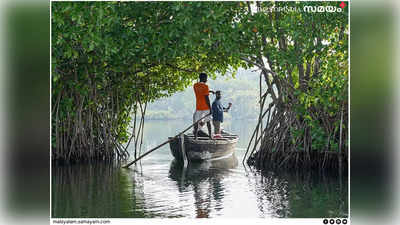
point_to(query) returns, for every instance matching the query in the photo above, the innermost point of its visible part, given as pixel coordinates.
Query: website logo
(322, 9)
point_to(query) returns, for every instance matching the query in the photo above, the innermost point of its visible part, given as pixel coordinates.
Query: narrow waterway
(159, 187)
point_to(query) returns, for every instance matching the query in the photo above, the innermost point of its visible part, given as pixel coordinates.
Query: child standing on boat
(218, 113)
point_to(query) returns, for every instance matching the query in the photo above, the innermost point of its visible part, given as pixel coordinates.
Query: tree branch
(181, 69)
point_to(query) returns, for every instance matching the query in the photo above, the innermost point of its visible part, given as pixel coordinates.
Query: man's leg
(196, 126)
(218, 127)
(209, 129)
(215, 127)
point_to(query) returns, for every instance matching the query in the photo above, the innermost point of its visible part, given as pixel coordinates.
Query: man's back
(201, 90)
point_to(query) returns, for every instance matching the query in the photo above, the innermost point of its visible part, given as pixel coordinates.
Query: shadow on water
(92, 191)
(159, 187)
(205, 180)
(299, 195)
(220, 188)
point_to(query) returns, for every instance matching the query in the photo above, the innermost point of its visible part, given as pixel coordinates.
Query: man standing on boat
(218, 113)
(203, 106)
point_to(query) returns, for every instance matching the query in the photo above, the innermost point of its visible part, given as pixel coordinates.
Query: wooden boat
(203, 148)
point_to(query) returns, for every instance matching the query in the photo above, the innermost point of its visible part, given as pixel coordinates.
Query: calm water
(160, 187)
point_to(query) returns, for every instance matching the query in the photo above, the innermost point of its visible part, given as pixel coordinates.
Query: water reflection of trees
(205, 179)
(92, 190)
(301, 195)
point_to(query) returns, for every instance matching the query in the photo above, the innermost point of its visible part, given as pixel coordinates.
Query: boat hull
(203, 148)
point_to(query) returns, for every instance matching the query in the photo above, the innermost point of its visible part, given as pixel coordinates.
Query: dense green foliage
(303, 57)
(111, 59)
(108, 58)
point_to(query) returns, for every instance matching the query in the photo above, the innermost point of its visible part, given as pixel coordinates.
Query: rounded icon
(331, 221)
(338, 221)
(344, 221)
(325, 221)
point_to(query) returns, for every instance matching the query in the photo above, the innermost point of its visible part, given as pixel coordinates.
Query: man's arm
(206, 92)
(208, 102)
(226, 109)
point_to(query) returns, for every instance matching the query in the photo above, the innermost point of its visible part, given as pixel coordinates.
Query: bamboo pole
(162, 144)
